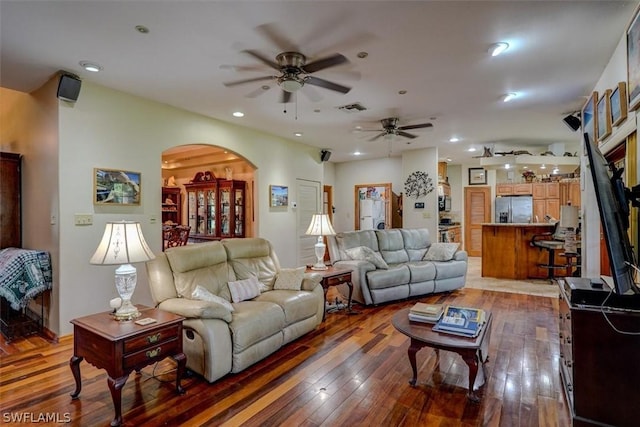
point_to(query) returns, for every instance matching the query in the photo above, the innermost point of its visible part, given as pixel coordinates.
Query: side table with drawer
(333, 277)
(122, 347)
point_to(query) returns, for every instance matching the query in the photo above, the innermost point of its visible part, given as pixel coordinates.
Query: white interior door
(309, 203)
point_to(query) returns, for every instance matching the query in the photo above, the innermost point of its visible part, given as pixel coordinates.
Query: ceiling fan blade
(420, 126)
(406, 135)
(262, 58)
(327, 62)
(326, 84)
(380, 135)
(255, 79)
(281, 41)
(286, 97)
(257, 92)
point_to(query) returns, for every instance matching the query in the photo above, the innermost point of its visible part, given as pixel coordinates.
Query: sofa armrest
(191, 308)
(310, 281)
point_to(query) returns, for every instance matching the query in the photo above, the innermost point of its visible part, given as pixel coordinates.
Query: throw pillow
(441, 251)
(203, 294)
(365, 253)
(289, 279)
(242, 290)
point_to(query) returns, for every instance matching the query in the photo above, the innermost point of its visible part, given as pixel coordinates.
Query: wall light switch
(153, 219)
(83, 219)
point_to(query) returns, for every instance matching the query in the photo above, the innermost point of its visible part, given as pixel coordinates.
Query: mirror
(372, 206)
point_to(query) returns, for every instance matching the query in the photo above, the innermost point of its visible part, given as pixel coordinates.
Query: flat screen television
(613, 203)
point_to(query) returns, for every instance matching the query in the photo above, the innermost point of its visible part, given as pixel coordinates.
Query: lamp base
(127, 311)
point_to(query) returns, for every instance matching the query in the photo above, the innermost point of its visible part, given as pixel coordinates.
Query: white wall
(425, 160)
(350, 174)
(111, 129)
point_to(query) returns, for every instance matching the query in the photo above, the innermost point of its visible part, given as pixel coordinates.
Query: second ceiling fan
(390, 127)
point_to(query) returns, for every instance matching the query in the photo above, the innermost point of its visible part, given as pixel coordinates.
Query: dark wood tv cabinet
(599, 366)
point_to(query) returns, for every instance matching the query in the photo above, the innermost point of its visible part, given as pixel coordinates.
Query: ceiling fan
(390, 127)
(295, 72)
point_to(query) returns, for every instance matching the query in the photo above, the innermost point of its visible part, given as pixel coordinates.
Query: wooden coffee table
(474, 351)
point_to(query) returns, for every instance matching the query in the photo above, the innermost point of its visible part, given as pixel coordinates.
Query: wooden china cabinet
(215, 208)
(10, 211)
(171, 205)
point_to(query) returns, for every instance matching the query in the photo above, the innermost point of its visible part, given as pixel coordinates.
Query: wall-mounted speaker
(573, 122)
(69, 87)
(325, 155)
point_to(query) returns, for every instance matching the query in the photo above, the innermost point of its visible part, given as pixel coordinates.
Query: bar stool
(548, 242)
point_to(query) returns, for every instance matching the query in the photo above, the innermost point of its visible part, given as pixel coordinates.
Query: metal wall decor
(418, 184)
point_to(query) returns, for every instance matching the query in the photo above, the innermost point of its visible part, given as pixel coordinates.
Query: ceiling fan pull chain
(295, 94)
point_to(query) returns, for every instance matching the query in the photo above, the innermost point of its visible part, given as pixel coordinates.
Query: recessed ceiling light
(142, 29)
(90, 66)
(471, 149)
(498, 48)
(448, 159)
(402, 92)
(543, 167)
(507, 166)
(356, 153)
(556, 170)
(238, 114)
(362, 55)
(454, 139)
(317, 110)
(297, 133)
(509, 97)
(265, 87)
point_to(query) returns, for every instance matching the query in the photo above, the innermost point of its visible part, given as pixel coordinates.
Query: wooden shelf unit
(171, 205)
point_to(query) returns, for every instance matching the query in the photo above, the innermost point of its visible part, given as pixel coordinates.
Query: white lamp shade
(569, 216)
(122, 243)
(320, 226)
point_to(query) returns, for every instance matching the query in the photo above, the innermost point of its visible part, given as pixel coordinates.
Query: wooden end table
(333, 277)
(121, 347)
(474, 351)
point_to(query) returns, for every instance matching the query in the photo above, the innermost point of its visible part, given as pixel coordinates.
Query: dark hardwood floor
(351, 371)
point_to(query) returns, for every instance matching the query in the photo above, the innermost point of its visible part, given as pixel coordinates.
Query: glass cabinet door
(225, 212)
(239, 212)
(211, 212)
(202, 213)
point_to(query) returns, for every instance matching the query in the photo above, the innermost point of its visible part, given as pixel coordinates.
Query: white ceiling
(435, 50)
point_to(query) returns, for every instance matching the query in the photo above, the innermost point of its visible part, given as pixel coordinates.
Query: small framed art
(279, 196)
(589, 117)
(618, 100)
(116, 187)
(604, 115)
(477, 176)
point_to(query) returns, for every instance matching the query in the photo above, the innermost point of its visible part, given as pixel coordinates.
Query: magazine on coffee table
(464, 321)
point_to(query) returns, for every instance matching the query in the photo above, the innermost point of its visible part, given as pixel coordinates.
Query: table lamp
(123, 243)
(320, 226)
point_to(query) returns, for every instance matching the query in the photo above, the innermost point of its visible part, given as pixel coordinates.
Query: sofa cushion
(441, 251)
(296, 305)
(202, 294)
(204, 264)
(449, 269)
(416, 242)
(364, 253)
(254, 321)
(396, 275)
(242, 290)
(352, 239)
(422, 271)
(289, 278)
(252, 257)
(391, 246)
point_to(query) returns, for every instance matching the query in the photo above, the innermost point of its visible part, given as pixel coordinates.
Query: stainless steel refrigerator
(514, 209)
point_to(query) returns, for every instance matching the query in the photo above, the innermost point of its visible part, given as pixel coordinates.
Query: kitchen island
(508, 254)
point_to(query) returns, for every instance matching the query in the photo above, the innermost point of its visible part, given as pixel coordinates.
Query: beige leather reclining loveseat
(222, 336)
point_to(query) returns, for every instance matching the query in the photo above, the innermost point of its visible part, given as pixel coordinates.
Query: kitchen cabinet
(570, 193)
(523, 189)
(504, 189)
(171, 205)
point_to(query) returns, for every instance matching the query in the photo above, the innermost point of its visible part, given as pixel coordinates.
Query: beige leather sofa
(218, 341)
(408, 271)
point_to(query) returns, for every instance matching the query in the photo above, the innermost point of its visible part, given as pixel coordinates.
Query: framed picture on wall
(477, 176)
(279, 196)
(116, 187)
(589, 118)
(604, 115)
(618, 101)
(633, 62)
